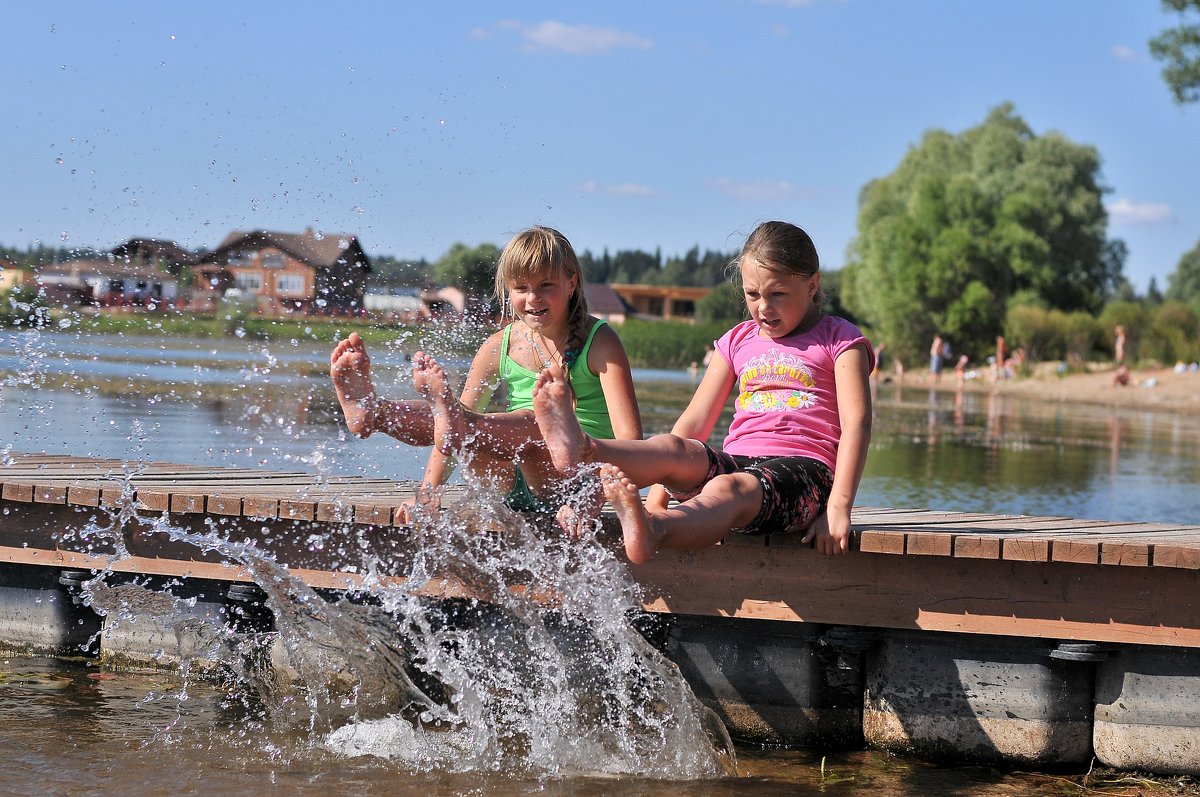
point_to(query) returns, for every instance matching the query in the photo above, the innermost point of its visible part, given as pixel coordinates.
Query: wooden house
(308, 272)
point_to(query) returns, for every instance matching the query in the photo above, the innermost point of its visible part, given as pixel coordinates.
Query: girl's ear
(814, 285)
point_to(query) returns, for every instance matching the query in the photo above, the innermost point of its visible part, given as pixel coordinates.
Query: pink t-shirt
(786, 401)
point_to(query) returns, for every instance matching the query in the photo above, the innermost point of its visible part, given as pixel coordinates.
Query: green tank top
(590, 406)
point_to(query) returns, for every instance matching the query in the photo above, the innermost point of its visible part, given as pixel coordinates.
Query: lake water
(271, 406)
(69, 728)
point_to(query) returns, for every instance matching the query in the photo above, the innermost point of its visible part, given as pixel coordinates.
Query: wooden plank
(224, 505)
(256, 506)
(187, 503)
(929, 544)
(1078, 551)
(297, 510)
(49, 494)
(15, 491)
(877, 541)
(374, 514)
(83, 495)
(1176, 556)
(979, 596)
(970, 546)
(1025, 550)
(154, 500)
(335, 512)
(1132, 554)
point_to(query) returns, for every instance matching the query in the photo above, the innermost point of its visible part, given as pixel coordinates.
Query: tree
(968, 222)
(471, 270)
(1179, 48)
(1183, 285)
(723, 304)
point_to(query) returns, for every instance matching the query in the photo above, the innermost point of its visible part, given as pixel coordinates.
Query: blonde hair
(536, 251)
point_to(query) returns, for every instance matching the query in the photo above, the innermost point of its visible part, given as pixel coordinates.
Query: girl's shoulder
(838, 328)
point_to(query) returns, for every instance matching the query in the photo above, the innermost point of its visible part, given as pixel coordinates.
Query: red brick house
(286, 272)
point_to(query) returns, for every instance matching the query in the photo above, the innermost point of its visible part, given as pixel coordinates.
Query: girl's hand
(578, 518)
(427, 502)
(657, 500)
(830, 533)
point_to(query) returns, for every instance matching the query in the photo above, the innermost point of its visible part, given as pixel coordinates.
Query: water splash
(531, 665)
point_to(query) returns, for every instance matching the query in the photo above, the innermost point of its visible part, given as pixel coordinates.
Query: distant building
(604, 302)
(665, 302)
(107, 283)
(306, 272)
(155, 254)
(11, 276)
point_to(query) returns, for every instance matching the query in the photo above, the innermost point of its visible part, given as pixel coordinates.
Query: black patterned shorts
(795, 489)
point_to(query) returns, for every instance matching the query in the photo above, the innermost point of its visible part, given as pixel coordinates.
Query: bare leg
(350, 370)
(365, 412)
(449, 417)
(554, 409)
(727, 502)
(677, 462)
(637, 526)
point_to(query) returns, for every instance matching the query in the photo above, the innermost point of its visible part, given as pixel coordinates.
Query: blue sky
(628, 125)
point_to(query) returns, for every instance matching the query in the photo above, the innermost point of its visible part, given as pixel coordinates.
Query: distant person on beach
(960, 370)
(798, 441)
(1119, 344)
(935, 358)
(540, 287)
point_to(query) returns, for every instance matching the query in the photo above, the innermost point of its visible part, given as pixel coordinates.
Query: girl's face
(779, 303)
(542, 299)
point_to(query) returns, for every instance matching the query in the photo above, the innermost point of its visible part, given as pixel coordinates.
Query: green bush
(667, 344)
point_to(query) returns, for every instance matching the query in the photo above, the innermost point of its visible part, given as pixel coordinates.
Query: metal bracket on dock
(73, 581)
(1080, 651)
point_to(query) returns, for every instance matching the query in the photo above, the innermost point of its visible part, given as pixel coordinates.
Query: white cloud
(621, 189)
(1125, 53)
(574, 39)
(1126, 211)
(756, 190)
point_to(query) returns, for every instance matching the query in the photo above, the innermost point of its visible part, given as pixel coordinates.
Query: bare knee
(741, 491)
(676, 446)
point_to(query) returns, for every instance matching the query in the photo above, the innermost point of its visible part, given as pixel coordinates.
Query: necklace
(537, 350)
(566, 359)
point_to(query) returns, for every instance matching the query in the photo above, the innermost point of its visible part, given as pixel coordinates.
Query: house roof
(154, 249)
(320, 250)
(603, 300)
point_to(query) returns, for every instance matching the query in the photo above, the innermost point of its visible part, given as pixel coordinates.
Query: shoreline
(1159, 389)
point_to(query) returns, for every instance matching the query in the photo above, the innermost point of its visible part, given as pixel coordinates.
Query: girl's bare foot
(641, 539)
(350, 370)
(449, 421)
(554, 410)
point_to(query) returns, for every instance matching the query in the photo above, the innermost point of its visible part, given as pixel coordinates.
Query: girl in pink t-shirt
(798, 442)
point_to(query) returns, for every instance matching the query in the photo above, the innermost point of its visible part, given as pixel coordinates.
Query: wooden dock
(1044, 577)
(1031, 641)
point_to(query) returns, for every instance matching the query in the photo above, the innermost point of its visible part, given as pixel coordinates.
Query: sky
(651, 125)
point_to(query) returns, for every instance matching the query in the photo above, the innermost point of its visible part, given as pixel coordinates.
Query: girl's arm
(608, 360)
(700, 416)
(854, 411)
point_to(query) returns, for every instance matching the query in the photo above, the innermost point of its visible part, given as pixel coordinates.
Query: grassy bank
(650, 344)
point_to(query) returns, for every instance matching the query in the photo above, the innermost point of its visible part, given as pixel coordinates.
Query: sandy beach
(1159, 389)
